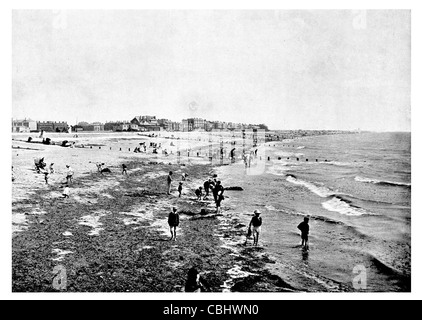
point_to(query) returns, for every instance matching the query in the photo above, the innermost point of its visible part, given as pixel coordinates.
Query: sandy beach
(111, 234)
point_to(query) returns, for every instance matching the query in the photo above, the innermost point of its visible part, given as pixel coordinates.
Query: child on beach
(255, 227)
(69, 175)
(217, 189)
(173, 221)
(46, 176)
(220, 198)
(304, 228)
(207, 188)
(100, 166)
(66, 191)
(180, 188)
(124, 168)
(198, 193)
(184, 175)
(169, 180)
(195, 283)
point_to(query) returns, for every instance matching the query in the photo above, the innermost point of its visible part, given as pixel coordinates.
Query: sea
(356, 190)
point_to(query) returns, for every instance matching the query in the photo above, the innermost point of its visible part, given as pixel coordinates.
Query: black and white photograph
(179, 151)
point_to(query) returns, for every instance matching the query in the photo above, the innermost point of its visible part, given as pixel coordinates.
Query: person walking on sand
(180, 188)
(169, 180)
(69, 174)
(304, 228)
(124, 169)
(46, 176)
(255, 226)
(51, 168)
(173, 221)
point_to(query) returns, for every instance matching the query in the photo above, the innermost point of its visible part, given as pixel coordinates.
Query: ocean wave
(321, 191)
(338, 202)
(382, 182)
(343, 206)
(339, 163)
(301, 147)
(277, 170)
(270, 208)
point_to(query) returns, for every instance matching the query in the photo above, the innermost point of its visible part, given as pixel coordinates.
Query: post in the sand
(243, 139)
(178, 151)
(210, 146)
(221, 150)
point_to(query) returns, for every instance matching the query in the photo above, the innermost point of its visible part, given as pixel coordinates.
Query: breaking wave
(381, 182)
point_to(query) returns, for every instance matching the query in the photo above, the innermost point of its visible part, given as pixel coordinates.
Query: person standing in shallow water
(255, 226)
(304, 228)
(169, 180)
(173, 221)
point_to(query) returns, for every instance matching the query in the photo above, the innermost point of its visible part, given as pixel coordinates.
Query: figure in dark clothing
(232, 157)
(207, 185)
(180, 188)
(217, 189)
(169, 180)
(220, 197)
(198, 193)
(124, 169)
(173, 221)
(304, 228)
(46, 176)
(195, 283)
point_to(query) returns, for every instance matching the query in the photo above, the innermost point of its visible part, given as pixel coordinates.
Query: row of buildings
(151, 123)
(139, 123)
(29, 125)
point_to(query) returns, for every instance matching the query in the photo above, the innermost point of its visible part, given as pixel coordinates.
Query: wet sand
(111, 234)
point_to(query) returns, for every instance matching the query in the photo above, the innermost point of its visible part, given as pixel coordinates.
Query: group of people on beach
(212, 185)
(41, 167)
(254, 229)
(142, 148)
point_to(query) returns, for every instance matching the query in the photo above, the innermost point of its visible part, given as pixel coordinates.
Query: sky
(335, 69)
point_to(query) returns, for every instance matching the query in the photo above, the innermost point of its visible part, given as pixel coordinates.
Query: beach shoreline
(111, 234)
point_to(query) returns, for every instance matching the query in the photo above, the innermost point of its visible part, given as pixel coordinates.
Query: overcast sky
(288, 69)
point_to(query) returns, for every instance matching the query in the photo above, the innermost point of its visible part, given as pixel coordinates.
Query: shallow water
(358, 201)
